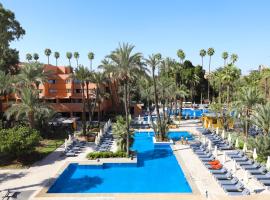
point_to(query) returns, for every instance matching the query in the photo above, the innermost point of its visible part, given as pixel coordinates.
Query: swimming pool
(157, 171)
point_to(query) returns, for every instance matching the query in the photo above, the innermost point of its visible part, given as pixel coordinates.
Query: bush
(19, 141)
(106, 154)
(262, 145)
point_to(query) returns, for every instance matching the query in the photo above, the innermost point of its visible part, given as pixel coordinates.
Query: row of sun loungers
(74, 148)
(230, 184)
(255, 169)
(216, 140)
(105, 142)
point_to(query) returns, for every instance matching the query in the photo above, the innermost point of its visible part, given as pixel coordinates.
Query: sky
(153, 26)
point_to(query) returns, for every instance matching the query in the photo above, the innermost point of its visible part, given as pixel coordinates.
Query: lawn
(45, 148)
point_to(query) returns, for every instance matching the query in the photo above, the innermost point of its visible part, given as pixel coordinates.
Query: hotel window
(51, 81)
(52, 90)
(68, 81)
(68, 90)
(78, 91)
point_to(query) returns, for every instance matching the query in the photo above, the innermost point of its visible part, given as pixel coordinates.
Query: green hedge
(106, 154)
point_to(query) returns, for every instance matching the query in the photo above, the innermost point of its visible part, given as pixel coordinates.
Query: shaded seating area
(230, 184)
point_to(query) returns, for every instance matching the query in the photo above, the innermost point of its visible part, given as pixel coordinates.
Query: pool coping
(43, 192)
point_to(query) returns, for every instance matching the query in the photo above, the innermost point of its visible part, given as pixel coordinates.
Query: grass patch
(45, 147)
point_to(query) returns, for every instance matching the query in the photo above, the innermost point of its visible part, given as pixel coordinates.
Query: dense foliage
(19, 141)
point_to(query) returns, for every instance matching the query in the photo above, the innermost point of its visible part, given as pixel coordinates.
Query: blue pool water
(157, 171)
(176, 135)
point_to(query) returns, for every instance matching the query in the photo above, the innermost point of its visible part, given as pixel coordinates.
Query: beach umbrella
(210, 145)
(223, 134)
(139, 118)
(237, 143)
(69, 138)
(66, 144)
(246, 177)
(224, 158)
(209, 125)
(148, 119)
(255, 156)
(268, 163)
(217, 131)
(204, 140)
(215, 151)
(245, 147)
(229, 138)
(234, 166)
(100, 133)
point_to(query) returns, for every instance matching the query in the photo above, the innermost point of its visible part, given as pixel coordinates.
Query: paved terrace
(31, 181)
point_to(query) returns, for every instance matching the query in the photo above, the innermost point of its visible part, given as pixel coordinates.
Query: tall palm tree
(82, 74)
(126, 65)
(181, 55)
(225, 56)
(229, 75)
(153, 62)
(28, 57)
(76, 56)
(56, 56)
(234, 58)
(69, 56)
(6, 85)
(91, 57)
(36, 57)
(265, 77)
(210, 53)
(48, 53)
(202, 54)
(29, 107)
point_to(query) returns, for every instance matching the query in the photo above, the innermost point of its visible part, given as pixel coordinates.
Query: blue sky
(236, 26)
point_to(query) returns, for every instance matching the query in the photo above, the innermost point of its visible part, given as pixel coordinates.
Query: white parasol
(139, 118)
(223, 134)
(255, 156)
(215, 151)
(210, 145)
(217, 130)
(245, 147)
(148, 119)
(234, 166)
(229, 138)
(268, 163)
(237, 143)
(66, 144)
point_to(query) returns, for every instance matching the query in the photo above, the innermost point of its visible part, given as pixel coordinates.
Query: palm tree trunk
(69, 62)
(56, 61)
(48, 60)
(31, 119)
(95, 103)
(228, 95)
(83, 110)
(77, 62)
(126, 112)
(98, 114)
(88, 101)
(156, 103)
(208, 86)
(202, 61)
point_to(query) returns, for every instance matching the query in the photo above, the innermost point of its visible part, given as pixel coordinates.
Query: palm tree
(153, 62)
(6, 85)
(202, 54)
(126, 66)
(36, 57)
(265, 77)
(180, 93)
(181, 55)
(69, 56)
(261, 117)
(99, 79)
(28, 57)
(56, 55)
(76, 56)
(229, 75)
(32, 74)
(225, 56)
(29, 107)
(91, 57)
(234, 58)
(48, 53)
(119, 132)
(82, 74)
(248, 98)
(210, 53)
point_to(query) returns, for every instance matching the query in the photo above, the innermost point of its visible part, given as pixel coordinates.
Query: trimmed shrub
(106, 154)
